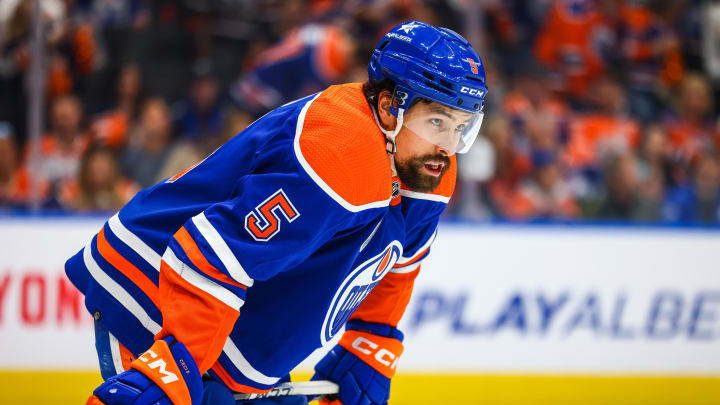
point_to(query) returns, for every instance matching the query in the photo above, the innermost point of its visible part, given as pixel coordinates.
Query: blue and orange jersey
(259, 254)
(689, 140)
(111, 129)
(650, 48)
(592, 134)
(523, 112)
(309, 59)
(572, 42)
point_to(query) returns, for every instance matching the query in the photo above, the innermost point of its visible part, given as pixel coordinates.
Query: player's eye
(461, 128)
(437, 122)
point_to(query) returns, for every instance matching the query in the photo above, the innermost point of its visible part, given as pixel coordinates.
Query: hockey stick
(310, 388)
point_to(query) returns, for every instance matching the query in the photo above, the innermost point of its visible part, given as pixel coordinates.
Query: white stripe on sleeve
(406, 269)
(222, 250)
(244, 366)
(418, 252)
(115, 353)
(202, 282)
(118, 292)
(424, 196)
(134, 242)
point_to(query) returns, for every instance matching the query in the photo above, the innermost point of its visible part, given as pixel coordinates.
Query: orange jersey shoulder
(340, 146)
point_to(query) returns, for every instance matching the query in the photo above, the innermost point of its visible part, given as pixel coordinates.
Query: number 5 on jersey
(264, 222)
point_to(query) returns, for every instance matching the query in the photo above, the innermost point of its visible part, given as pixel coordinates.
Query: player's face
(420, 160)
(446, 127)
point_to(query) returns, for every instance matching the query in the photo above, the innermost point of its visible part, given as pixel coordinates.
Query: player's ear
(387, 120)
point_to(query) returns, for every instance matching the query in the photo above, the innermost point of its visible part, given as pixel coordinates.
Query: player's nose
(441, 150)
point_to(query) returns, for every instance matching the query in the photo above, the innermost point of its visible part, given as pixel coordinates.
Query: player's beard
(412, 174)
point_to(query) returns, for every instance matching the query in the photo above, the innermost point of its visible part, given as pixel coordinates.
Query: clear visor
(449, 128)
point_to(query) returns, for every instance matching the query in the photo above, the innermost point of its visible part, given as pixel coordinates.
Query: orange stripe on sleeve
(197, 319)
(182, 173)
(198, 259)
(127, 268)
(417, 257)
(387, 302)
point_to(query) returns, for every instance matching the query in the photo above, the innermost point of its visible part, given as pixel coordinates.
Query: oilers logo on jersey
(357, 285)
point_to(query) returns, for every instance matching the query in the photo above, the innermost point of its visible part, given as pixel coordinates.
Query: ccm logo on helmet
(472, 92)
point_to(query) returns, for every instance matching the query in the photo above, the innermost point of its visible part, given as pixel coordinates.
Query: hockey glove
(362, 363)
(165, 374)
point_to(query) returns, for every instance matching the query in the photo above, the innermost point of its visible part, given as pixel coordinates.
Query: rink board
(56, 388)
(612, 313)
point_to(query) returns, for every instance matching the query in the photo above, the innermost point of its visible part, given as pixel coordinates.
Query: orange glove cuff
(158, 364)
(381, 353)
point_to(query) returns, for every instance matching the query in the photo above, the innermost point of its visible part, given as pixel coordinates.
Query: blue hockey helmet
(435, 64)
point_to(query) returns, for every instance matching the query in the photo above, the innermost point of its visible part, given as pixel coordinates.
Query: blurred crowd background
(598, 110)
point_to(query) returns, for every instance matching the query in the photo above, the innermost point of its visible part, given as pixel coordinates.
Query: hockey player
(316, 217)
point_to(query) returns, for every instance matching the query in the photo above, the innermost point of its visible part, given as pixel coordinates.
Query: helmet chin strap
(390, 135)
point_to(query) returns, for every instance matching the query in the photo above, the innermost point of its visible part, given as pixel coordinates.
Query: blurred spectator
(477, 167)
(510, 167)
(235, 122)
(653, 169)
(200, 116)
(185, 153)
(650, 56)
(495, 99)
(111, 127)
(655, 152)
(60, 152)
(73, 59)
(182, 155)
(101, 187)
(164, 49)
(699, 201)
(545, 194)
(692, 129)
(605, 128)
(71, 47)
(14, 183)
(539, 119)
(307, 60)
(650, 197)
(574, 42)
(572, 81)
(688, 17)
(15, 58)
(144, 159)
(512, 26)
(620, 199)
(710, 37)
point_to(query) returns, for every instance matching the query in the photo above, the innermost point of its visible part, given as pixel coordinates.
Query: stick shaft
(310, 388)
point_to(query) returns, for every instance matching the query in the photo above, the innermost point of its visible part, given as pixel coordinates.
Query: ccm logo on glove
(160, 364)
(380, 353)
(383, 356)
